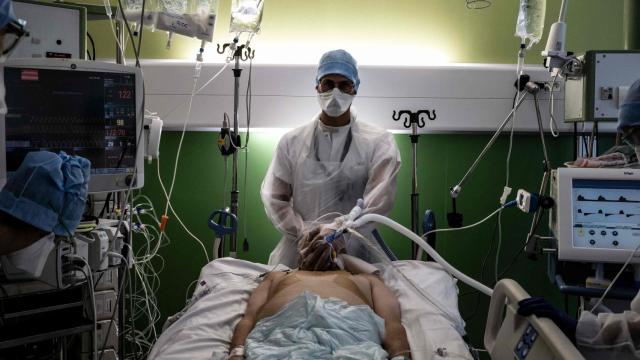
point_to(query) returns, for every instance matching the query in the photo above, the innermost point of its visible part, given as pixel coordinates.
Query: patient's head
(315, 253)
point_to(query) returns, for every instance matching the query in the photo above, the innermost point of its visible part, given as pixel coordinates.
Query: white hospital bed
(204, 328)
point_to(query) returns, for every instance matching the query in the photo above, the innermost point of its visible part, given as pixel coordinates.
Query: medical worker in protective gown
(322, 168)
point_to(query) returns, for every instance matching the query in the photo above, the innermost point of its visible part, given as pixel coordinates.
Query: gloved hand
(316, 254)
(541, 307)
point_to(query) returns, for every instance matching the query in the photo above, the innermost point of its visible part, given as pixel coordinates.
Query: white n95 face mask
(334, 103)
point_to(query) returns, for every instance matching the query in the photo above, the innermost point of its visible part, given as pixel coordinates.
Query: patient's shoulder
(372, 279)
(275, 275)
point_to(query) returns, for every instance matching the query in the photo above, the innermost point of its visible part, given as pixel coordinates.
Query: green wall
(394, 32)
(443, 160)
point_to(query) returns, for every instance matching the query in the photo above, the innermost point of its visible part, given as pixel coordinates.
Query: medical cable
(248, 99)
(245, 244)
(146, 281)
(135, 169)
(624, 266)
(509, 204)
(113, 315)
(141, 27)
(215, 76)
(93, 47)
(196, 76)
(124, 260)
(482, 277)
(455, 320)
(530, 247)
(552, 119)
(89, 277)
(364, 219)
(92, 297)
(176, 214)
(186, 295)
(145, 303)
(126, 24)
(107, 9)
(507, 189)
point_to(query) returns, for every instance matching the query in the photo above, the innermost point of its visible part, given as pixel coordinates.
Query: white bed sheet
(204, 328)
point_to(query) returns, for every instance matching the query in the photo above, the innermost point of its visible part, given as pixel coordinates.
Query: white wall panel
(466, 98)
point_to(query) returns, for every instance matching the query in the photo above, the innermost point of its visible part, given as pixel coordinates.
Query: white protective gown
(610, 335)
(319, 170)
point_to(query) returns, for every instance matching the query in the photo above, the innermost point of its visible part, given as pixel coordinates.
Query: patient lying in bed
(320, 314)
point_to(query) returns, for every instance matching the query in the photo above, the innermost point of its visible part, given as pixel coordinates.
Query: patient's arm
(258, 298)
(386, 305)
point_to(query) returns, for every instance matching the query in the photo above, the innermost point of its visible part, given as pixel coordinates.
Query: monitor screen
(606, 213)
(86, 113)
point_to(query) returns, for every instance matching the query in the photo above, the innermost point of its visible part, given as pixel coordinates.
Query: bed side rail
(509, 335)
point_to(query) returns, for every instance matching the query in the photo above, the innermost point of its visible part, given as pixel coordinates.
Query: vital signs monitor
(85, 108)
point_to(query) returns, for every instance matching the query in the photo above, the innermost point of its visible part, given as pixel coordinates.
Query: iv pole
(414, 120)
(244, 53)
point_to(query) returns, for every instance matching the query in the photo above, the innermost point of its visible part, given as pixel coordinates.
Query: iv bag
(133, 10)
(530, 22)
(192, 18)
(246, 16)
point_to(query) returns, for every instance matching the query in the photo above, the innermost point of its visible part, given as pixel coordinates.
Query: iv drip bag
(530, 23)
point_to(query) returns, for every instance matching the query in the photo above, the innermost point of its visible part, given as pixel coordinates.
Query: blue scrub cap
(629, 114)
(338, 62)
(6, 13)
(48, 191)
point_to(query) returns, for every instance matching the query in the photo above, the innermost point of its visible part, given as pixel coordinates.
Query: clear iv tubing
(184, 128)
(109, 13)
(424, 236)
(604, 294)
(196, 76)
(464, 227)
(507, 189)
(364, 219)
(552, 119)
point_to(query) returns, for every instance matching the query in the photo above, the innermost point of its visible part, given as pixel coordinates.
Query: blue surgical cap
(629, 114)
(48, 191)
(338, 62)
(6, 13)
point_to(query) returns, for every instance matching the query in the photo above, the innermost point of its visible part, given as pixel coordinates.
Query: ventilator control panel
(597, 214)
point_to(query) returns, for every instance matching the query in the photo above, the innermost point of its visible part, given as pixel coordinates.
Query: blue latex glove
(541, 307)
(48, 191)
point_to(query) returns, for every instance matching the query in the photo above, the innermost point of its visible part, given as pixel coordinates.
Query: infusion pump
(596, 217)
